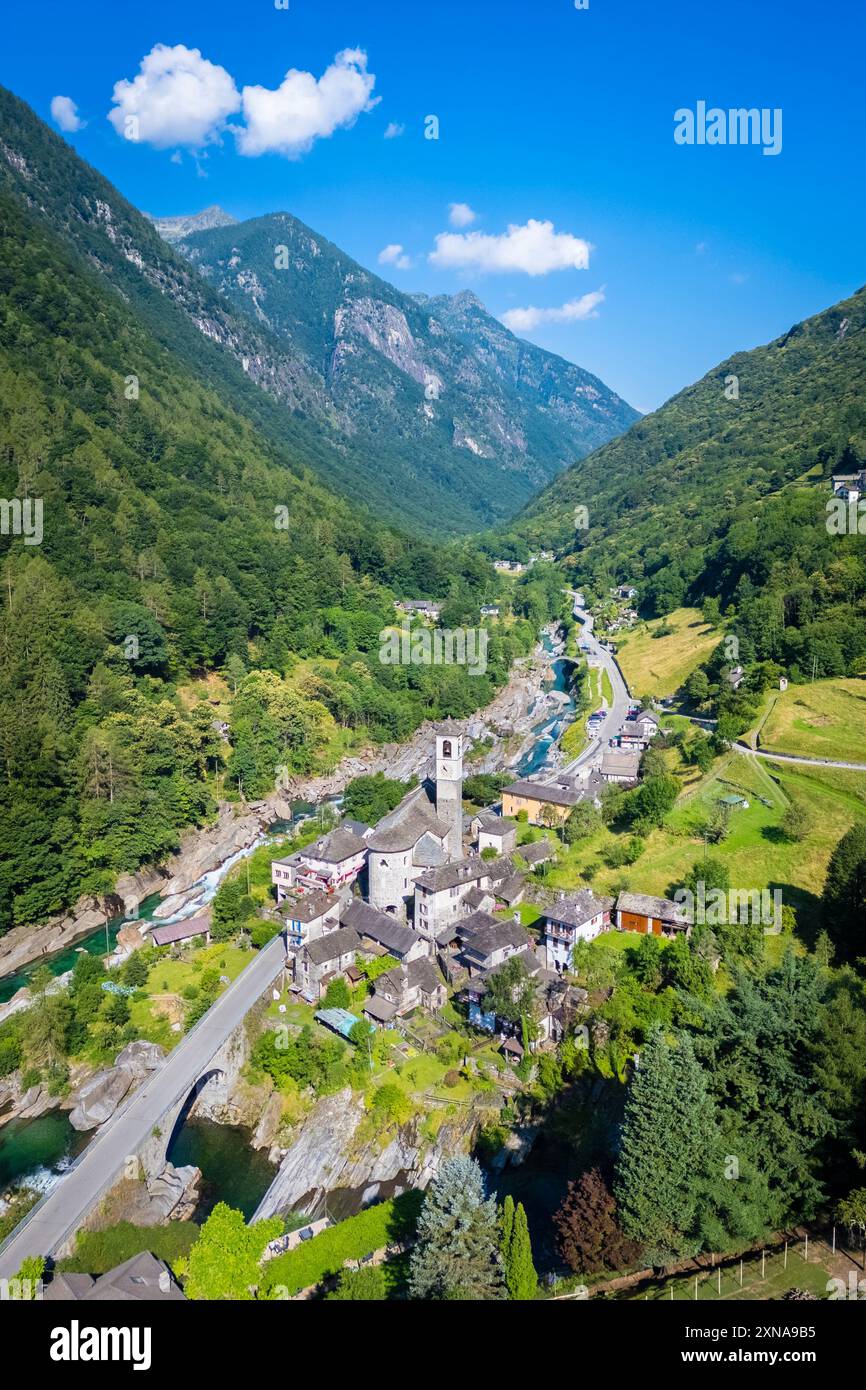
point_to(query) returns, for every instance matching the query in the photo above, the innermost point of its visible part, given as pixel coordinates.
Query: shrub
(383, 1224)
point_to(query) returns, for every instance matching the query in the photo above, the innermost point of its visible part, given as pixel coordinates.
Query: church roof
(403, 827)
(429, 852)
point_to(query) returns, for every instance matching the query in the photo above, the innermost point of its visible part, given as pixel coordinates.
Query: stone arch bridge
(144, 1126)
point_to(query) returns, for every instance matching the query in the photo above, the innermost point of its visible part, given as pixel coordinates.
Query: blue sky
(547, 114)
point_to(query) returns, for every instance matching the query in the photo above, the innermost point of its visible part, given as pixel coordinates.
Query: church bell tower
(449, 789)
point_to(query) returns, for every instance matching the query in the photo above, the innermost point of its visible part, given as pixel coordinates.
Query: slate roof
(429, 852)
(403, 827)
(537, 853)
(379, 927)
(493, 935)
(359, 827)
(335, 847)
(511, 888)
(306, 907)
(547, 792)
(423, 973)
(181, 931)
(383, 1010)
(574, 910)
(491, 824)
(141, 1279)
(646, 716)
(627, 764)
(332, 945)
(457, 872)
(632, 728)
(477, 896)
(643, 904)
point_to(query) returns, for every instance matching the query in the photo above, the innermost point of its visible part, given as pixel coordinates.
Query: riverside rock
(140, 1057)
(96, 1101)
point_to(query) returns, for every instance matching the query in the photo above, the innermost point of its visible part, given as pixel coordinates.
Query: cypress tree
(521, 1279)
(507, 1226)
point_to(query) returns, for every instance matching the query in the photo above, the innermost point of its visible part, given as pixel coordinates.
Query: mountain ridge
(425, 377)
(374, 437)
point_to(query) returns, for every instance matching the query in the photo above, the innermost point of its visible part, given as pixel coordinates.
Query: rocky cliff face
(327, 1163)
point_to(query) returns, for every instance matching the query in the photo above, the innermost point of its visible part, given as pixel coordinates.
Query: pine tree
(669, 1148)
(521, 1279)
(457, 1255)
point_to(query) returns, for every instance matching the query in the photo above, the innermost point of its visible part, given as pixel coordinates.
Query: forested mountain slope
(358, 412)
(723, 492)
(436, 390)
(177, 537)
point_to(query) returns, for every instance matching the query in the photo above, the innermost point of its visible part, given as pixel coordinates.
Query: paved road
(793, 758)
(622, 701)
(62, 1210)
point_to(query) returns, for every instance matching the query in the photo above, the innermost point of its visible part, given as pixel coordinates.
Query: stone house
(493, 832)
(487, 942)
(383, 935)
(542, 801)
(317, 962)
(327, 865)
(441, 894)
(572, 918)
(407, 987)
(308, 916)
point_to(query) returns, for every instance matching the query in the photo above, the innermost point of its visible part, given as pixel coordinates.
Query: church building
(423, 832)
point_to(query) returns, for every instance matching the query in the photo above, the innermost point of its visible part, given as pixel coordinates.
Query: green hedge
(311, 1262)
(98, 1251)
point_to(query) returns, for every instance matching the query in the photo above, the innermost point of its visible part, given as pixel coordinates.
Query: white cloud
(534, 249)
(65, 113)
(393, 129)
(461, 215)
(178, 98)
(396, 256)
(302, 109)
(524, 320)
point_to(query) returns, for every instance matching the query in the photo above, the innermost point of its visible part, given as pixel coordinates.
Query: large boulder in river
(96, 1101)
(140, 1057)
